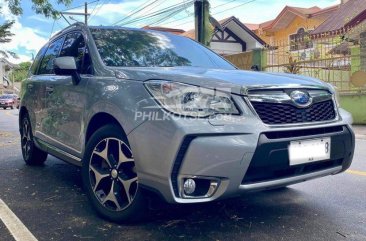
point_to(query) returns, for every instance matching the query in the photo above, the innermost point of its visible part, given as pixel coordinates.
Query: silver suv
(144, 110)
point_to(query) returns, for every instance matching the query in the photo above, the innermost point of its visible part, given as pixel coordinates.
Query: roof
(190, 34)
(224, 22)
(162, 29)
(5, 61)
(252, 26)
(289, 13)
(349, 14)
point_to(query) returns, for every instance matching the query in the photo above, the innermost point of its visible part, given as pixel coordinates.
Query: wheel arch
(22, 112)
(99, 120)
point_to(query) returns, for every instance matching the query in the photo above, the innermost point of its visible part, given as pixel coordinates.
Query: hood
(231, 80)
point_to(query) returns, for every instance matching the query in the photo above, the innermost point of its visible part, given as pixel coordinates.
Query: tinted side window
(52, 52)
(75, 46)
(34, 67)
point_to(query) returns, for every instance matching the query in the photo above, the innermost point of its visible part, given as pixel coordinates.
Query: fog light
(189, 186)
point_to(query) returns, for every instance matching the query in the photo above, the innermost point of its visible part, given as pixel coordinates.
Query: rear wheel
(32, 155)
(110, 178)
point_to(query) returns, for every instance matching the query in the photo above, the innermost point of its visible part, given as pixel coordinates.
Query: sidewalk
(360, 131)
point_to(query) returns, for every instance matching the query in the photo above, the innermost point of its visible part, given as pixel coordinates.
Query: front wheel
(32, 155)
(110, 178)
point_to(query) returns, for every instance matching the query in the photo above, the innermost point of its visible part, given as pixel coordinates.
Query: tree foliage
(21, 72)
(39, 6)
(5, 34)
(43, 7)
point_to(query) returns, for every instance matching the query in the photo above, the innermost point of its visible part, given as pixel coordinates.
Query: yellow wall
(282, 36)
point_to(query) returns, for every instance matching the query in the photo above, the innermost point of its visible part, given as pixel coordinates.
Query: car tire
(12, 107)
(32, 155)
(109, 176)
(4, 108)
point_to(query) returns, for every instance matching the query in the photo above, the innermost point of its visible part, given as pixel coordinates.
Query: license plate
(306, 151)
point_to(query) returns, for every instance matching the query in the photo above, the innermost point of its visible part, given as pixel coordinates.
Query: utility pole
(202, 14)
(85, 14)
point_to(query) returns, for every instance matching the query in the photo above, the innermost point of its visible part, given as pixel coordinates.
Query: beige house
(5, 69)
(233, 38)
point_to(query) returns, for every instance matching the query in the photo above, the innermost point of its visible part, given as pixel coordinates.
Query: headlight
(334, 90)
(189, 100)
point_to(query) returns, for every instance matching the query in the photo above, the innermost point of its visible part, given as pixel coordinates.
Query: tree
(21, 72)
(39, 6)
(5, 36)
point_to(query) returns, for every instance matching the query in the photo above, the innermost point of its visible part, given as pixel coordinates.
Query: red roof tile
(339, 19)
(302, 12)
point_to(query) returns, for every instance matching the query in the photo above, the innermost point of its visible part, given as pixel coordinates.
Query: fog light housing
(189, 186)
(198, 187)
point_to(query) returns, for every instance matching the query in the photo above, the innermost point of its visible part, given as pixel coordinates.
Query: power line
(53, 25)
(137, 10)
(80, 5)
(99, 7)
(236, 6)
(95, 7)
(189, 15)
(218, 12)
(157, 13)
(224, 4)
(180, 9)
(153, 14)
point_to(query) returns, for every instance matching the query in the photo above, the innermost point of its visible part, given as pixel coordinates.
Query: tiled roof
(339, 19)
(252, 26)
(190, 34)
(312, 12)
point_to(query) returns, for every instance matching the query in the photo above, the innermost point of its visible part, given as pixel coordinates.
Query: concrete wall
(242, 61)
(356, 105)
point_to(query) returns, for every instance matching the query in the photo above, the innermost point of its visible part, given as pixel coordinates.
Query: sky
(32, 31)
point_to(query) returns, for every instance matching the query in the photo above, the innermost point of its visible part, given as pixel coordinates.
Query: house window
(300, 40)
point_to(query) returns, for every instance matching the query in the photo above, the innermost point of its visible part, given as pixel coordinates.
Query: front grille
(273, 113)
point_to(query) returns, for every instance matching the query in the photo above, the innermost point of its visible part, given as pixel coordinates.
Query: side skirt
(56, 152)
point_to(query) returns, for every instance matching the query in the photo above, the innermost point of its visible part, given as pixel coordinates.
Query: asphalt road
(50, 202)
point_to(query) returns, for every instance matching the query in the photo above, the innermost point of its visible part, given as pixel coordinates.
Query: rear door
(45, 75)
(32, 93)
(65, 101)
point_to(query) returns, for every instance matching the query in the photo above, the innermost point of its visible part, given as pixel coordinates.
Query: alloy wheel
(26, 138)
(112, 174)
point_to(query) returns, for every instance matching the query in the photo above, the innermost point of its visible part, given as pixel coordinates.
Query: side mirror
(66, 66)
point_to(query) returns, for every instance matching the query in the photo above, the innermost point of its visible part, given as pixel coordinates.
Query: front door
(65, 101)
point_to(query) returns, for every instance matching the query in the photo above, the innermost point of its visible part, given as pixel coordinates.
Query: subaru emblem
(300, 98)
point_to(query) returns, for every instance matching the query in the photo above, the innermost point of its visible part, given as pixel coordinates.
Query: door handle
(49, 89)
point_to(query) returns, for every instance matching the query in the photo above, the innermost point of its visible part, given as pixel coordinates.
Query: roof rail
(74, 25)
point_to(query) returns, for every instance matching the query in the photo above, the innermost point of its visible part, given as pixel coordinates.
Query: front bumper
(242, 153)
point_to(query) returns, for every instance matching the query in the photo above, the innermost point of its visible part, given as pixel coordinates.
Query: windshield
(138, 48)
